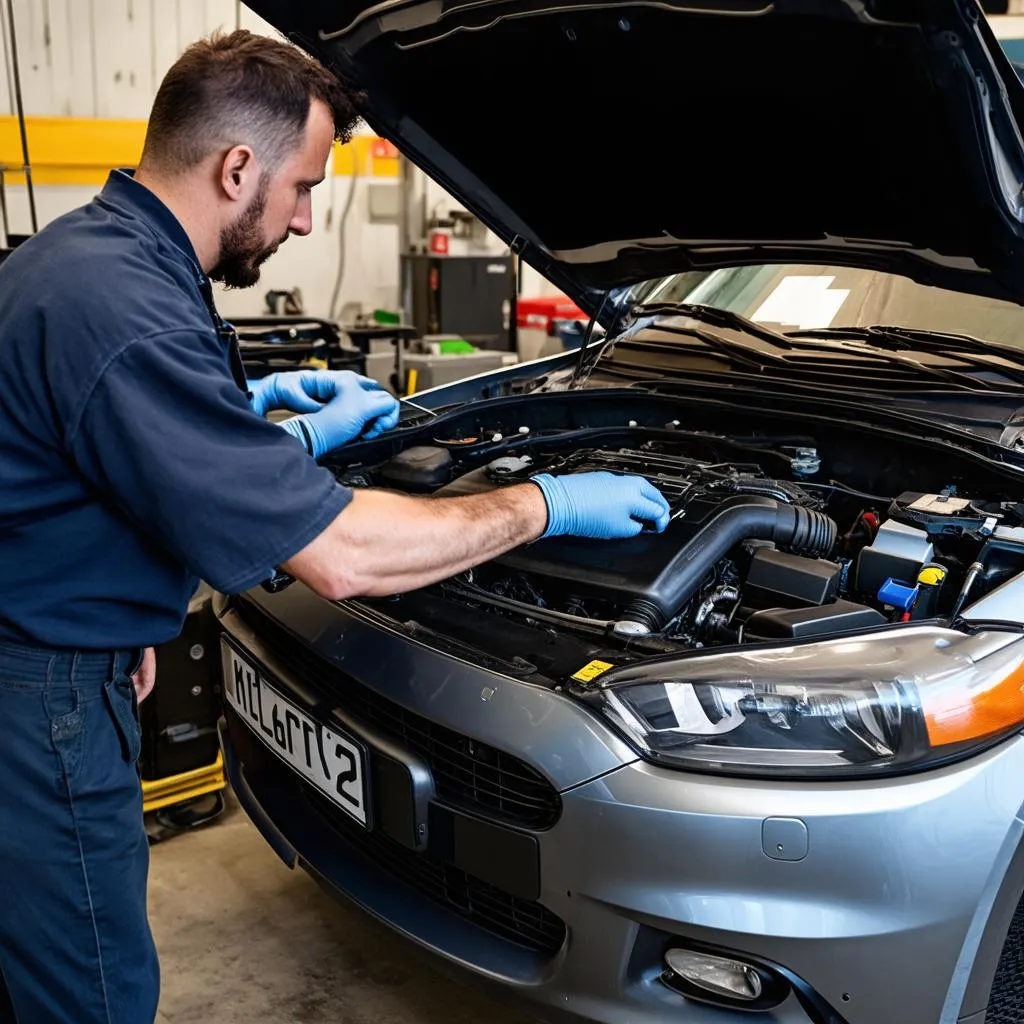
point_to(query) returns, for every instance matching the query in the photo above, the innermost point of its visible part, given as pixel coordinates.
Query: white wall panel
(1007, 27)
(74, 55)
(254, 23)
(51, 202)
(164, 48)
(55, 56)
(190, 23)
(31, 22)
(123, 33)
(6, 79)
(220, 14)
(105, 58)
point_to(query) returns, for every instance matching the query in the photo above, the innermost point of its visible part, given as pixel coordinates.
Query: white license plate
(323, 755)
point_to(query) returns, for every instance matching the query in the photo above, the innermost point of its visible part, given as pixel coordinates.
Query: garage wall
(105, 58)
(99, 63)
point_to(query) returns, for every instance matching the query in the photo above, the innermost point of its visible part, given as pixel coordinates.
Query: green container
(456, 346)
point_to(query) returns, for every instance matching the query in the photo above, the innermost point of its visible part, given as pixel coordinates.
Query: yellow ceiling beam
(81, 151)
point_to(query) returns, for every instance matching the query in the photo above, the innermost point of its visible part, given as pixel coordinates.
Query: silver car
(766, 765)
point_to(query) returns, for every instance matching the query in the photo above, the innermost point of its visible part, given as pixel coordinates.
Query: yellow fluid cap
(931, 575)
(592, 670)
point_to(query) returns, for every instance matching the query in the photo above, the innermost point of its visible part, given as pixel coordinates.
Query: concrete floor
(243, 940)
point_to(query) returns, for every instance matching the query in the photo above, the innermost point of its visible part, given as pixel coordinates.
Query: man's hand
(355, 407)
(145, 679)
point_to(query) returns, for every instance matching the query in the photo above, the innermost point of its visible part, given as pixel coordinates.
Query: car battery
(179, 717)
(421, 371)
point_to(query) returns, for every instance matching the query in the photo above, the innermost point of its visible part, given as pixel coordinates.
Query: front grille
(1006, 1005)
(523, 922)
(468, 775)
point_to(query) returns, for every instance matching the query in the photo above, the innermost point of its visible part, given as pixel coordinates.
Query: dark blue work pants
(75, 944)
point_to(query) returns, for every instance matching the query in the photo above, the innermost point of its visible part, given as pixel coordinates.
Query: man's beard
(242, 249)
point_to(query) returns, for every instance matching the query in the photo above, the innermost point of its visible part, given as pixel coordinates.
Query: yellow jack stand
(176, 799)
(175, 789)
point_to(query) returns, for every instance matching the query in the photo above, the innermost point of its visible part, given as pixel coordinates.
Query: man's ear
(239, 173)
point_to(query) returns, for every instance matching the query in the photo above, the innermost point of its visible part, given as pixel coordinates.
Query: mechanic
(134, 465)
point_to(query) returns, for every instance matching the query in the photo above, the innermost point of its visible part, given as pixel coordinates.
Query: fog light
(724, 978)
(716, 975)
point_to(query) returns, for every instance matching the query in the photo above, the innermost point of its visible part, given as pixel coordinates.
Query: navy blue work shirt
(132, 463)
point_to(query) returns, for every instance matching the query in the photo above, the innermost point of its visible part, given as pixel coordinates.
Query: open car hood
(610, 142)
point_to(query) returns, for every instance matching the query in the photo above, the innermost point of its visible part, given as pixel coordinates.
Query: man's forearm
(385, 543)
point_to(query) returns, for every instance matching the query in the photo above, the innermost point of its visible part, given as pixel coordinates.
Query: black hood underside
(615, 142)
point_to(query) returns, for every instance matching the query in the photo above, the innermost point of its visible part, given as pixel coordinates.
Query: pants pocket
(67, 731)
(122, 702)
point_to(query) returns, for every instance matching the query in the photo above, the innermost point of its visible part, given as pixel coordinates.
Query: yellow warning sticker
(591, 671)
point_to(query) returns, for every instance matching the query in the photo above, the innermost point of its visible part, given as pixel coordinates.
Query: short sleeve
(167, 436)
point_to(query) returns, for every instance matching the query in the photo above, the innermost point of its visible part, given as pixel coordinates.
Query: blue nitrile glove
(355, 410)
(326, 385)
(601, 505)
(291, 390)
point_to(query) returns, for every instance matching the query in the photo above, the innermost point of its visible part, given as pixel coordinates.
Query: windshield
(792, 297)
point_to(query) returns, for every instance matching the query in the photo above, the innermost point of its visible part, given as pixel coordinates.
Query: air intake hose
(802, 531)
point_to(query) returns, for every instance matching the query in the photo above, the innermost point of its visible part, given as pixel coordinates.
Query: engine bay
(772, 537)
(644, 583)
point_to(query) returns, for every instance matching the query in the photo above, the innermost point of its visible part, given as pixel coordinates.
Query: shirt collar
(127, 195)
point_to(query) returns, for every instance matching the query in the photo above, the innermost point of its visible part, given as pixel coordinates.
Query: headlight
(877, 704)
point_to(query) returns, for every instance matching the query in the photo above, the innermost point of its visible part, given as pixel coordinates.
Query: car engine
(648, 580)
(765, 543)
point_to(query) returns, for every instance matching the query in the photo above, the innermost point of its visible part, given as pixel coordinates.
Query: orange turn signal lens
(989, 701)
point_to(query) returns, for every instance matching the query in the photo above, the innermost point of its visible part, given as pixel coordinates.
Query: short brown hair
(241, 89)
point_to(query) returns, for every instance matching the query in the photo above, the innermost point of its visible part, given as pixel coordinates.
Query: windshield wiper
(907, 339)
(706, 314)
(761, 360)
(716, 318)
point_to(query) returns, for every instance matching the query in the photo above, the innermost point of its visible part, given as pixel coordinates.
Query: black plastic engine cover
(656, 574)
(653, 575)
(804, 623)
(620, 570)
(777, 577)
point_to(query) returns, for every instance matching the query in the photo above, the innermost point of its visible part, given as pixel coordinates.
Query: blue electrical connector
(898, 595)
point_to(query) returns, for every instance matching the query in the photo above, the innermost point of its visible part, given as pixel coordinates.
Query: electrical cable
(8, 70)
(836, 485)
(21, 117)
(976, 569)
(529, 610)
(335, 295)
(5, 226)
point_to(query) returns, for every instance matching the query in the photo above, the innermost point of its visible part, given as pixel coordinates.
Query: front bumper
(881, 916)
